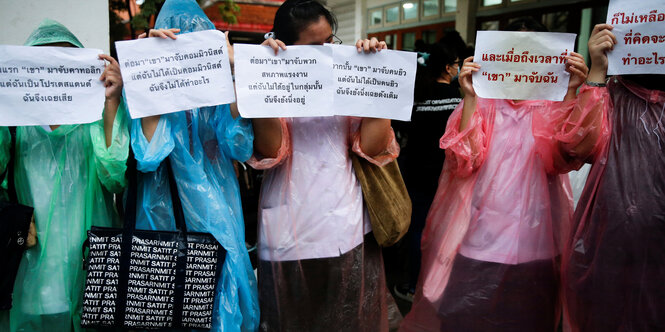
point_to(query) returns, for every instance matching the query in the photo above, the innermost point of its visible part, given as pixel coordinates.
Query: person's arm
(268, 131)
(602, 40)
(113, 92)
(571, 133)
(466, 84)
(375, 134)
(578, 70)
(589, 115)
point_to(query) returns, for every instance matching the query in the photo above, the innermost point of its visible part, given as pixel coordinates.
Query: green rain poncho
(68, 176)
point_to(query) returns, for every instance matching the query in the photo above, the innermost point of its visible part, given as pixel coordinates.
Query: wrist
(595, 84)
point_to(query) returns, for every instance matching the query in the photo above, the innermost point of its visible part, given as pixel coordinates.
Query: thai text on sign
(522, 65)
(326, 80)
(165, 76)
(374, 85)
(293, 83)
(42, 85)
(640, 47)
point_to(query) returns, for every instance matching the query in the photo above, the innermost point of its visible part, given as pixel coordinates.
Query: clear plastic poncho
(614, 267)
(495, 232)
(68, 175)
(319, 267)
(201, 145)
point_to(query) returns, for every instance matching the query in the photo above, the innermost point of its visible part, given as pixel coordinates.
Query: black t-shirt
(423, 159)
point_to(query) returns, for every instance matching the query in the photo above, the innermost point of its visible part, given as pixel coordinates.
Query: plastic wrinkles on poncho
(476, 217)
(201, 145)
(614, 265)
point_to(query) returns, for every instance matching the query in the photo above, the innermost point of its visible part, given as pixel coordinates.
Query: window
(430, 8)
(491, 2)
(409, 41)
(376, 17)
(556, 22)
(429, 36)
(392, 14)
(410, 11)
(449, 6)
(391, 41)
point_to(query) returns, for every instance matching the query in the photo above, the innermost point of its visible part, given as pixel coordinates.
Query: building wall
(87, 19)
(469, 16)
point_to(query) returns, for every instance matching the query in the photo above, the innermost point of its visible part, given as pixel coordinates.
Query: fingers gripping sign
(161, 33)
(372, 45)
(275, 44)
(111, 77)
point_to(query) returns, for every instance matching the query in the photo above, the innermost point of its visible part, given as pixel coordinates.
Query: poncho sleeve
(150, 154)
(5, 141)
(466, 149)
(235, 136)
(111, 162)
(260, 162)
(568, 134)
(389, 154)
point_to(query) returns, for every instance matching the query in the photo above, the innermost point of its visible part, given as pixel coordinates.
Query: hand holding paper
(601, 42)
(578, 71)
(111, 77)
(466, 77)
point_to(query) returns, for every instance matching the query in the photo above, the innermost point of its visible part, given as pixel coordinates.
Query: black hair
(526, 23)
(452, 39)
(439, 56)
(293, 16)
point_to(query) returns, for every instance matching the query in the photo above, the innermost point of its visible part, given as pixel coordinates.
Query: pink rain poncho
(614, 267)
(495, 231)
(319, 266)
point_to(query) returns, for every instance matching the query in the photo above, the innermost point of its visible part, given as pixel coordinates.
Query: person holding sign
(201, 145)
(68, 174)
(614, 265)
(493, 238)
(320, 268)
(437, 95)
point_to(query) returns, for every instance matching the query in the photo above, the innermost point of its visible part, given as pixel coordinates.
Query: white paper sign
(378, 85)
(295, 83)
(522, 65)
(638, 28)
(324, 80)
(165, 75)
(50, 85)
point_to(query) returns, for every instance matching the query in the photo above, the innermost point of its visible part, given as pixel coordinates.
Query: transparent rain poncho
(201, 145)
(319, 266)
(614, 266)
(68, 175)
(497, 226)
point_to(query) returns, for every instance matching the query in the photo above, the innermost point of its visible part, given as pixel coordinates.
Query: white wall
(345, 11)
(87, 19)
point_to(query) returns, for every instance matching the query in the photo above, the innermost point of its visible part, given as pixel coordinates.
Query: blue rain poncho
(201, 144)
(68, 175)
